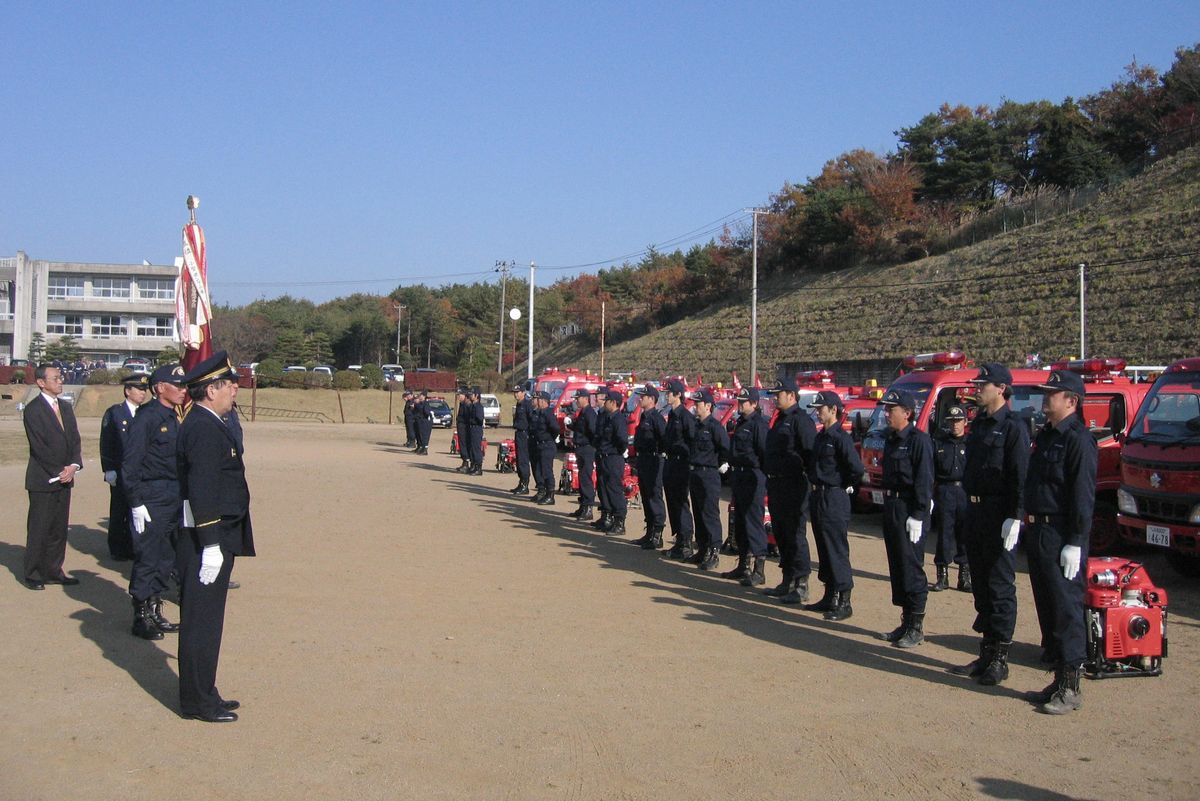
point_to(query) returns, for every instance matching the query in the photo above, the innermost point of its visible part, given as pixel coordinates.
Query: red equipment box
(1126, 620)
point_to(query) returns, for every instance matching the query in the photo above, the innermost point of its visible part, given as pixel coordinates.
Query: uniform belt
(1043, 518)
(704, 467)
(949, 483)
(783, 475)
(980, 498)
(907, 493)
(739, 468)
(822, 487)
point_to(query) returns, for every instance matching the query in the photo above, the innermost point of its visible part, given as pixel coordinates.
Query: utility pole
(1082, 311)
(754, 299)
(400, 307)
(532, 272)
(502, 267)
(602, 310)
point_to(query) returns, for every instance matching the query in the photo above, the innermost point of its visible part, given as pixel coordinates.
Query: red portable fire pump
(1126, 620)
(568, 480)
(506, 456)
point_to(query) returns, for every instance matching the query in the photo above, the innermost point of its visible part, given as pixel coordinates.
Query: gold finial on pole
(193, 203)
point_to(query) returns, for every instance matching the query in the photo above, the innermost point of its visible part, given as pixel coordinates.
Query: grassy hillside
(998, 300)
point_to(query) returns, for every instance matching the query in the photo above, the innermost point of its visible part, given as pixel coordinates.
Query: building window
(64, 324)
(105, 327)
(155, 326)
(62, 287)
(110, 288)
(156, 288)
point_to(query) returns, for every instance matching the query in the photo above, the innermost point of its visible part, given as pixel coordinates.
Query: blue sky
(340, 148)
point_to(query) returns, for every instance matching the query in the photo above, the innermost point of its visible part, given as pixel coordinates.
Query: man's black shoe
(229, 706)
(233, 585)
(65, 580)
(222, 716)
(34, 584)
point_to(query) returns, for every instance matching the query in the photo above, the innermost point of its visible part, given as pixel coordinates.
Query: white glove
(210, 563)
(1068, 560)
(141, 516)
(931, 506)
(626, 453)
(568, 420)
(914, 530)
(111, 477)
(723, 469)
(188, 520)
(1010, 530)
(849, 490)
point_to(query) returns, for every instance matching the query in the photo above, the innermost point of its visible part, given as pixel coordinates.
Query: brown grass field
(410, 633)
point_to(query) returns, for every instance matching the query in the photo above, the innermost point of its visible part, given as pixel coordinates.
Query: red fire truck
(1159, 497)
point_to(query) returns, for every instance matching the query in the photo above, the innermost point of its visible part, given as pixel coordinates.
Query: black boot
(781, 589)
(799, 593)
(1043, 695)
(645, 538)
(584, 514)
(521, 489)
(681, 551)
(547, 499)
(603, 521)
(841, 606)
(729, 546)
(741, 571)
(712, 559)
(914, 635)
(476, 470)
(756, 577)
(617, 529)
(997, 667)
(943, 579)
(1068, 694)
(655, 539)
(964, 578)
(164, 625)
(699, 556)
(143, 624)
(895, 634)
(826, 603)
(975, 667)
(463, 468)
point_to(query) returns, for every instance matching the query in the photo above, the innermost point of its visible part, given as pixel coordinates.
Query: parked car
(323, 369)
(140, 366)
(251, 366)
(392, 372)
(441, 412)
(491, 409)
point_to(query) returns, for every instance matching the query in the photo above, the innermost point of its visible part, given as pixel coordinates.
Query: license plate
(1158, 535)
(877, 497)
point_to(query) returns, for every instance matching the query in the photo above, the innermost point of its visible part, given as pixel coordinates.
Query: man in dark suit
(216, 514)
(54, 458)
(114, 429)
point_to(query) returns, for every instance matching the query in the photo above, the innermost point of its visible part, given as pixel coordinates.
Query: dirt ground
(410, 633)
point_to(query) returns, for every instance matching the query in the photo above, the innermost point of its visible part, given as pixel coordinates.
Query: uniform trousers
(829, 508)
(154, 551)
(1059, 601)
(906, 559)
(120, 541)
(676, 480)
(521, 444)
(788, 499)
(705, 490)
(545, 465)
(749, 502)
(949, 522)
(201, 624)
(993, 570)
(650, 486)
(611, 475)
(585, 460)
(475, 446)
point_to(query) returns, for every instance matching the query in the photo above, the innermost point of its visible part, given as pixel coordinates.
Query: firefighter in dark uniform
(649, 443)
(459, 443)
(583, 435)
(612, 441)
(149, 479)
(543, 431)
(747, 453)
(994, 480)
(216, 512)
(908, 492)
(605, 517)
(423, 422)
(950, 500)
(835, 471)
(676, 470)
(409, 420)
(789, 450)
(474, 428)
(114, 429)
(522, 412)
(709, 460)
(1060, 496)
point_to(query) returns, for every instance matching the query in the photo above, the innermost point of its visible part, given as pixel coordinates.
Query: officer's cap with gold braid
(139, 380)
(211, 369)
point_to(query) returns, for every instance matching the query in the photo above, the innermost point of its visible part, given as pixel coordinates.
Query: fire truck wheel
(1184, 564)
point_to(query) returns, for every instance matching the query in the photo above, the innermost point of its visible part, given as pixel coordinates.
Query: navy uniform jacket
(421, 411)
(51, 446)
(1062, 478)
(612, 434)
(212, 478)
(678, 434)
(114, 428)
(748, 446)
(474, 416)
(908, 468)
(521, 414)
(710, 443)
(543, 425)
(997, 457)
(790, 443)
(835, 462)
(949, 457)
(584, 427)
(649, 438)
(408, 411)
(150, 471)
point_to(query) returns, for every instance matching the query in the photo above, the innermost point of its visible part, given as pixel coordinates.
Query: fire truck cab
(1159, 496)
